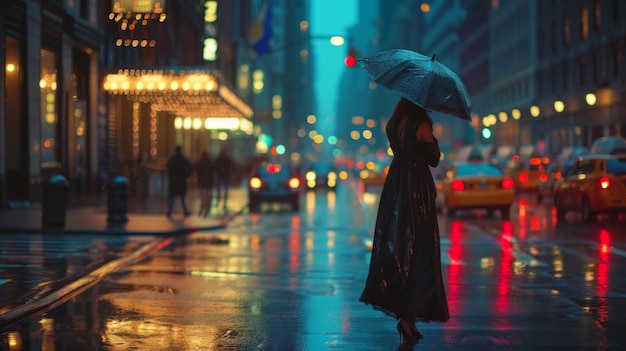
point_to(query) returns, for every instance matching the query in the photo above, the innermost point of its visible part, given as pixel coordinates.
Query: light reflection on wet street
(291, 281)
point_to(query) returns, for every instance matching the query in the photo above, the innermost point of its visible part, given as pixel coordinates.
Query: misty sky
(330, 17)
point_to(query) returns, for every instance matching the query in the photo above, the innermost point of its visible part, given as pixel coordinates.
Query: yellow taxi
(475, 185)
(526, 174)
(548, 180)
(595, 184)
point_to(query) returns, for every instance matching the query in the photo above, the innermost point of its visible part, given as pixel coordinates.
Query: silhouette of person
(179, 168)
(224, 167)
(405, 279)
(205, 170)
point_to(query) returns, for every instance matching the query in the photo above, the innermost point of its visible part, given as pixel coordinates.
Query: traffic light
(486, 133)
(353, 55)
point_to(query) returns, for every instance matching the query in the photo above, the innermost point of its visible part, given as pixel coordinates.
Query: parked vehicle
(596, 184)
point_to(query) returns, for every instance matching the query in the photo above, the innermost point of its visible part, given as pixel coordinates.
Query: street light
(337, 40)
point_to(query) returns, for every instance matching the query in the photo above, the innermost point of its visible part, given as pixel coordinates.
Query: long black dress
(404, 279)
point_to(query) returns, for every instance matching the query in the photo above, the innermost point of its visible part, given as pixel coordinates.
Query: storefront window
(50, 147)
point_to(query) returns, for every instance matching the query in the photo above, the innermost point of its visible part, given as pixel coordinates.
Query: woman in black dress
(404, 279)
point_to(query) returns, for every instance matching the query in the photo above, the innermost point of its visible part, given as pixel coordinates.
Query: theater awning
(187, 92)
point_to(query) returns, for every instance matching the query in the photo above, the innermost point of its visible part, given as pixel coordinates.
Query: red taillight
(458, 185)
(508, 183)
(523, 177)
(557, 175)
(604, 182)
(273, 168)
(543, 177)
(294, 183)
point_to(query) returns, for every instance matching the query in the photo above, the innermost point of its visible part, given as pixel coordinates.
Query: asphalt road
(290, 281)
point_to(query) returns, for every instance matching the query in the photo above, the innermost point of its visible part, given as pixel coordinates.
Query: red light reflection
(503, 284)
(294, 252)
(602, 274)
(454, 269)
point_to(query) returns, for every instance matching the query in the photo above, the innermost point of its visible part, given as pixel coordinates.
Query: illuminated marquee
(197, 92)
(138, 6)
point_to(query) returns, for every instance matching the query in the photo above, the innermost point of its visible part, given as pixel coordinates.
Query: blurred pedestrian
(205, 170)
(179, 168)
(224, 167)
(405, 279)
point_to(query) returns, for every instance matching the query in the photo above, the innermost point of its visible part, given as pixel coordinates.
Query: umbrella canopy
(421, 80)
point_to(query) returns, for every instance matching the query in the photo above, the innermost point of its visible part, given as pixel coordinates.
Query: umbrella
(421, 80)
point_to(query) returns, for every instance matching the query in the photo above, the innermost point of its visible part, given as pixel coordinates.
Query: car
(570, 154)
(595, 184)
(475, 185)
(320, 175)
(274, 182)
(609, 145)
(526, 173)
(548, 179)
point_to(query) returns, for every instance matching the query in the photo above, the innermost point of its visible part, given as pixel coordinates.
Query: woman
(404, 279)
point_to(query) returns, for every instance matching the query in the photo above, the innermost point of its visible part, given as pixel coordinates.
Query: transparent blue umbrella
(421, 80)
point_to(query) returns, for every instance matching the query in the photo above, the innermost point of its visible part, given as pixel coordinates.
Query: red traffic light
(349, 61)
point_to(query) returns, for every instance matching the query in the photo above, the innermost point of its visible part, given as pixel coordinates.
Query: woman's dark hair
(405, 107)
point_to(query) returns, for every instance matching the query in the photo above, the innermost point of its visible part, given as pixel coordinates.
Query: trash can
(54, 201)
(118, 200)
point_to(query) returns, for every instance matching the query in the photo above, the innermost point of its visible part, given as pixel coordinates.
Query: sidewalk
(145, 217)
(44, 266)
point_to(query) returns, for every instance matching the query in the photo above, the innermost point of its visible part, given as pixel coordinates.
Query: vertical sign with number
(209, 52)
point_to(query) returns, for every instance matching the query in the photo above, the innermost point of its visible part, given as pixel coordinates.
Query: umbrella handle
(433, 58)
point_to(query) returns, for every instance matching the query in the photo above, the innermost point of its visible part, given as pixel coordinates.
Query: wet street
(279, 280)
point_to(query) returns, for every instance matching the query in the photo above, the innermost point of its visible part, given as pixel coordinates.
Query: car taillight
(543, 177)
(557, 175)
(604, 182)
(294, 183)
(256, 183)
(523, 177)
(458, 185)
(508, 183)
(273, 168)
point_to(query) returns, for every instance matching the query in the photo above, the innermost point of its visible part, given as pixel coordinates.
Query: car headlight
(294, 183)
(255, 183)
(310, 176)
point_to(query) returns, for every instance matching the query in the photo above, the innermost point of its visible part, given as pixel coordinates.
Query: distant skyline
(330, 17)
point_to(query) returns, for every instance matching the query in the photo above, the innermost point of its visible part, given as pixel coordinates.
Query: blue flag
(261, 30)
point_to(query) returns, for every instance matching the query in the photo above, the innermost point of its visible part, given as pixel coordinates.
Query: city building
(95, 89)
(50, 85)
(555, 71)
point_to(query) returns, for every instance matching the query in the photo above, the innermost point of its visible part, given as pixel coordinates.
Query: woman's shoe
(406, 332)
(416, 332)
